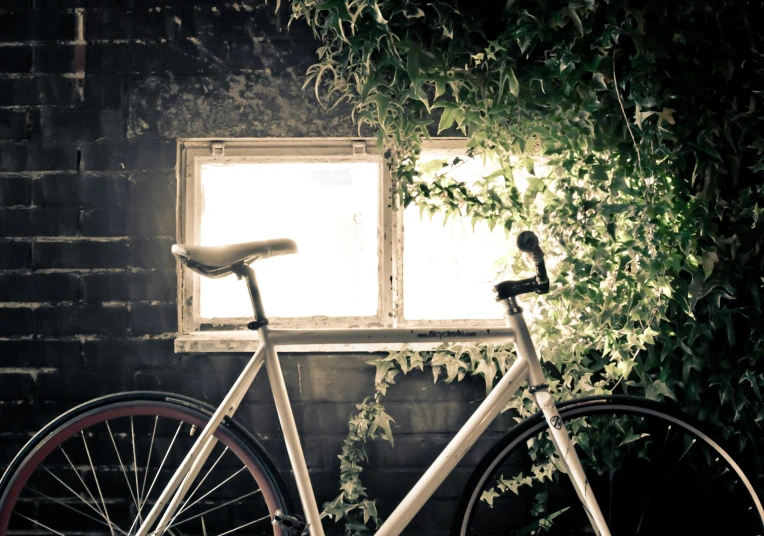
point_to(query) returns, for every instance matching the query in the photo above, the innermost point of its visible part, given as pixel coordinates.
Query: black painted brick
(37, 25)
(134, 24)
(152, 57)
(126, 4)
(151, 155)
(76, 386)
(276, 55)
(38, 221)
(327, 384)
(14, 26)
(16, 321)
(80, 254)
(319, 451)
(15, 255)
(104, 222)
(41, 90)
(207, 388)
(81, 124)
(15, 59)
(56, 189)
(13, 157)
(182, 57)
(53, 58)
(81, 320)
(232, 23)
(128, 222)
(112, 190)
(15, 125)
(26, 418)
(225, 368)
(53, 25)
(152, 253)
(107, 58)
(151, 222)
(158, 285)
(16, 386)
(157, 189)
(130, 354)
(68, 189)
(36, 157)
(104, 92)
(40, 287)
(152, 319)
(39, 353)
(14, 190)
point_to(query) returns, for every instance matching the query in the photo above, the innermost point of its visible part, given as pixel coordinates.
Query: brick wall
(93, 94)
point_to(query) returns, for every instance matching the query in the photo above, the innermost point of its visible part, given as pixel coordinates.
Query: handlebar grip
(528, 242)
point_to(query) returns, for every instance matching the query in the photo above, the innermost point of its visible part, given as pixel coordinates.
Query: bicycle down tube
(527, 367)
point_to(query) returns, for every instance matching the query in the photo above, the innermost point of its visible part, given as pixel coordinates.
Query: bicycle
(640, 469)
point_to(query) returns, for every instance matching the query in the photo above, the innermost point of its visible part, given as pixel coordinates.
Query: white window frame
(227, 334)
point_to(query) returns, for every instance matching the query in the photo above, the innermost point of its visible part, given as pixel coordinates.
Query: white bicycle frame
(526, 367)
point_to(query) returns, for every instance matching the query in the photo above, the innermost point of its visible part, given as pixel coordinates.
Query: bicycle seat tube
(507, 292)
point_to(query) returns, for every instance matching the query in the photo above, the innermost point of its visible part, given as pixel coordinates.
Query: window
(360, 262)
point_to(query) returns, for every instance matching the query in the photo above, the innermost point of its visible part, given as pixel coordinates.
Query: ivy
(626, 134)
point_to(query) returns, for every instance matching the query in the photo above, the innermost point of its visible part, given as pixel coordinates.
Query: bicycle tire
(678, 480)
(98, 466)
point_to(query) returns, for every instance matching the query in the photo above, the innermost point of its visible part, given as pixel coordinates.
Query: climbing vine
(626, 135)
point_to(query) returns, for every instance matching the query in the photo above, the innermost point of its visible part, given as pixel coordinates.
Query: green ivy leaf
(382, 420)
(658, 390)
(514, 85)
(710, 258)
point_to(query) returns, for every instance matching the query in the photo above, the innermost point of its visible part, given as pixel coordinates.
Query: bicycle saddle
(217, 261)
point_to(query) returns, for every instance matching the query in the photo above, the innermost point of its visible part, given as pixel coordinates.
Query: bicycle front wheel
(652, 471)
(99, 468)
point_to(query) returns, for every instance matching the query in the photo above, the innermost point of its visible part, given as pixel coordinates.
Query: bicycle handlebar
(528, 243)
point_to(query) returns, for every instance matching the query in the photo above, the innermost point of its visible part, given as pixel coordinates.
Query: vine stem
(626, 118)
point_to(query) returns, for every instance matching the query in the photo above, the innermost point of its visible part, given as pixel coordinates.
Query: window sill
(246, 341)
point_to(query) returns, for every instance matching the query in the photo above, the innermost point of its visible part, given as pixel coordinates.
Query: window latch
(218, 148)
(359, 148)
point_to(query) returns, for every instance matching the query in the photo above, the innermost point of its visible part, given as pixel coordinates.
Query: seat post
(248, 273)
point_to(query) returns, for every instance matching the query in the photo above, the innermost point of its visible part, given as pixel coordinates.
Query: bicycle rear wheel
(99, 468)
(653, 472)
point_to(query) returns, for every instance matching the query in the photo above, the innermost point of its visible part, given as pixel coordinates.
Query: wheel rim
(97, 471)
(675, 488)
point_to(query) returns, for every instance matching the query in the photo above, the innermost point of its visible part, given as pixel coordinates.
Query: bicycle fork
(558, 432)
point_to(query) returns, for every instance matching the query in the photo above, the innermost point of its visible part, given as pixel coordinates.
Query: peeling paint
(256, 104)
(32, 372)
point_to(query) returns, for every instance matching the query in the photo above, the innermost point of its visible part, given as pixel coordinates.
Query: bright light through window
(331, 210)
(448, 270)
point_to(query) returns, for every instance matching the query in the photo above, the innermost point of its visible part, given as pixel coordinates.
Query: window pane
(329, 209)
(448, 270)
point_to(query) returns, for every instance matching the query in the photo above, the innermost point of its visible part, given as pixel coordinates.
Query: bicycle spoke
(244, 525)
(135, 457)
(658, 467)
(191, 495)
(227, 493)
(40, 524)
(217, 507)
(76, 472)
(612, 472)
(98, 485)
(121, 465)
(212, 490)
(148, 494)
(680, 459)
(70, 507)
(96, 510)
(148, 459)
